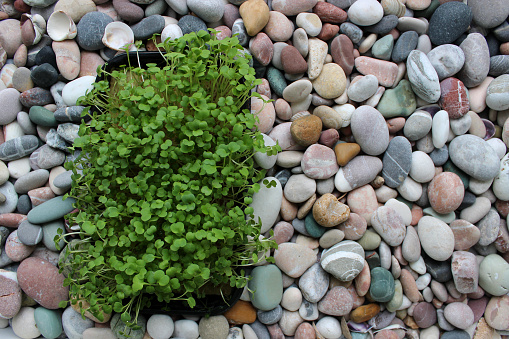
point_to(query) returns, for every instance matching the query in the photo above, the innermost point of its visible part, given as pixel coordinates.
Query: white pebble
(423, 281)
(440, 128)
(12, 131)
(498, 145)
(187, 329)
(20, 167)
(160, 326)
(423, 168)
(402, 209)
(418, 266)
(171, 32)
(248, 332)
(329, 327)
(77, 88)
(410, 190)
(292, 299)
(235, 333)
(23, 323)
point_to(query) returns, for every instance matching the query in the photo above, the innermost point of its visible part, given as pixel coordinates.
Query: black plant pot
(212, 304)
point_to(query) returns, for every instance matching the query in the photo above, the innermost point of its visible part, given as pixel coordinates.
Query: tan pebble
(346, 152)
(255, 14)
(329, 212)
(477, 126)
(288, 210)
(68, 58)
(306, 207)
(354, 228)
(306, 130)
(363, 281)
(89, 63)
(20, 57)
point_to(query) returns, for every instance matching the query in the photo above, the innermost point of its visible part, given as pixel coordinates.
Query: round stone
(365, 12)
(319, 162)
(331, 82)
(382, 285)
(454, 98)
(344, 260)
(425, 315)
(437, 238)
(306, 130)
(294, 259)
(213, 327)
(337, 302)
(447, 60)
(497, 97)
(389, 225)
(370, 130)
(497, 311)
(446, 192)
(448, 22)
(494, 275)
(329, 212)
(49, 322)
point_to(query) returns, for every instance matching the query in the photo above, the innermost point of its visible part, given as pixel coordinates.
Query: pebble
(495, 314)
(448, 22)
(385, 71)
(398, 101)
(437, 239)
(423, 77)
(344, 260)
(496, 94)
(337, 302)
(373, 138)
(363, 88)
(48, 322)
(331, 82)
(294, 259)
(290, 9)
(365, 12)
(397, 161)
(24, 325)
(477, 62)
(319, 162)
(359, 171)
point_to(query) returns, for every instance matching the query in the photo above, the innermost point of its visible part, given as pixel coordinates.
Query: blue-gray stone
(74, 325)
(4, 233)
(455, 334)
(29, 234)
(147, 27)
(31, 180)
(449, 21)
(18, 148)
(4, 259)
(300, 226)
(11, 198)
(283, 176)
(266, 287)
(397, 161)
(352, 31)
(440, 155)
(270, 317)
(42, 116)
(50, 230)
(474, 156)
(239, 29)
(382, 319)
(314, 229)
(406, 43)
(63, 180)
(502, 32)
(260, 330)
(382, 48)
(383, 26)
(157, 7)
(91, 30)
(499, 64)
(343, 4)
(468, 200)
(44, 75)
(50, 210)
(382, 286)
(276, 80)
(439, 270)
(49, 322)
(49, 157)
(24, 204)
(56, 141)
(69, 114)
(190, 23)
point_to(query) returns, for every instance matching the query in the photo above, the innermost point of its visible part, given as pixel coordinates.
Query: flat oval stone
(18, 148)
(423, 77)
(406, 43)
(314, 283)
(331, 82)
(365, 12)
(10, 105)
(385, 71)
(370, 130)
(425, 315)
(266, 286)
(342, 53)
(29, 234)
(297, 91)
(417, 125)
(448, 22)
(489, 227)
(473, 156)
(398, 101)
(446, 192)
(497, 96)
(77, 88)
(389, 225)
(447, 60)
(49, 322)
(316, 57)
(290, 9)
(51, 210)
(397, 161)
(42, 116)
(499, 64)
(328, 12)
(299, 188)
(477, 60)
(360, 171)
(489, 13)
(466, 234)
(501, 182)
(337, 302)
(423, 168)
(294, 259)
(363, 88)
(344, 260)
(292, 61)
(319, 162)
(494, 275)
(437, 238)
(382, 286)
(262, 48)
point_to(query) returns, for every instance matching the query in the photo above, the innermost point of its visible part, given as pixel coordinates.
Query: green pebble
(494, 275)
(373, 259)
(427, 12)
(398, 102)
(382, 285)
(50, 210)
(276, 80)
(266, 287)
(314, 229)
(382, 48)
(447, 218)
(397, 299)
(359, 335)
(450, 167)
(42, 116)
(49, 322)
(370, 240)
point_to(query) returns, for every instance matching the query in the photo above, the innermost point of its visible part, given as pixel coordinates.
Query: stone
(382, 48)
(120, 329)
(423, 168)
(292, 61)
(398, 101)
(270, 317)
(299, 188)
(501, 181)
(21, 81)
(477, 60)
(496, 313)
(40, 280)
(42, 116)
(437, 239)
(10, 36)
(465, 272)
(397, 161)
(382, 285)
(365, 12)
(488, 14)
(423, 77)
(424, 315)
(473, 156)
(262, 48)
(51, 210)
(306, 132)
(310, 22)
(489, 227)
(149, 26)
(266, 203)
(359, 171)
(292, 299)
(316, 57)
(49, 322)
(265, 113)
(23, 324)
(346, 152)
(342, 53)
(298, 90)
(75, 9)
(499, 64)
(466, 234)
(191, 23)
(454, 98)
(362, 88)
(29, 234)
(290, 9)
(11, 302)
(384, 26)
(417, 125)
(373, 138)
(294, 259)
(10, 105)
(255, 14)
(448, 22)
(213, 327)
(389, 225)
(210, 11)
(385, 71)
(406, 43)
(329, 212)
(337, 302)
(267, 287)
(186, 327)
(497, 97)
(447, 60)
(331, 82)
(344, 260)
(446, 192)
(319, 162)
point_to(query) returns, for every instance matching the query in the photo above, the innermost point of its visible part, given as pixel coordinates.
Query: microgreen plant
(164, 179)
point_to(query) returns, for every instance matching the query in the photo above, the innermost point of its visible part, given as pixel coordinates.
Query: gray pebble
(270, 317)
(91, 29)
(69, 114)
(56, 92)
(26, 124)
(31, 180)
(18, 148)
(260, 329)
(499, 64)
(157, 7)
(49, 157)
(148, 26)
(68, 131)
(352, 31)
(11, 198)
(29, 234)
(440, 155)
(54, 140)
(24, 204)
(63, 180)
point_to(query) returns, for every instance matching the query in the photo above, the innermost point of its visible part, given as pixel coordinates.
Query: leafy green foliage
(164, 179)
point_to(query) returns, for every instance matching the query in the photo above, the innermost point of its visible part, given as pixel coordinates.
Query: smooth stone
(50, 230)
(448, 22)
(406, 43)
(279, 28)
(294, 259)
(24, 204)
(410, 189)
(290, 9)
(24, 325)
(496, 94)
(466, 235)
(239, 29)
(473, 156)
(148, 26)
(437, 239)
(499, 64)
(49, 322)
(489, 228)
(385, 71)
(317, 52)
(51, 210)
(319, 162)
(454, 98)
(77, 88)
(423, 77)
(398, 101)
(389, 225)
(447, 60)
(397, 161)
(477, 60)
(190, 23)
(488, 14)
(496, 313)
(262, 48)
(36, 97)
(446, 192)
(372, 137)
(310, 22)
(186, 327)
(346, 152)
(292, 60)
(21, 81)
(297, 91)
(344, 260)
(384, 26)
(329, 212)
(265, 112)
(331, 83)
(10, 105)
(270, 317)
(382, 48)
(424, 315)
(337, 302)
(493, 275)
(210, 11)
(365, 12)
(417, 125)
(18, 148)
(213, 327)
(42, 116)
(423, 168)
(440, 155)
(501, 182)
(47, 157)
(360, 171)
(342, 52)
(382, 286)
(29, 234)
(266, 204)
(476, 211)
(363, 88)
